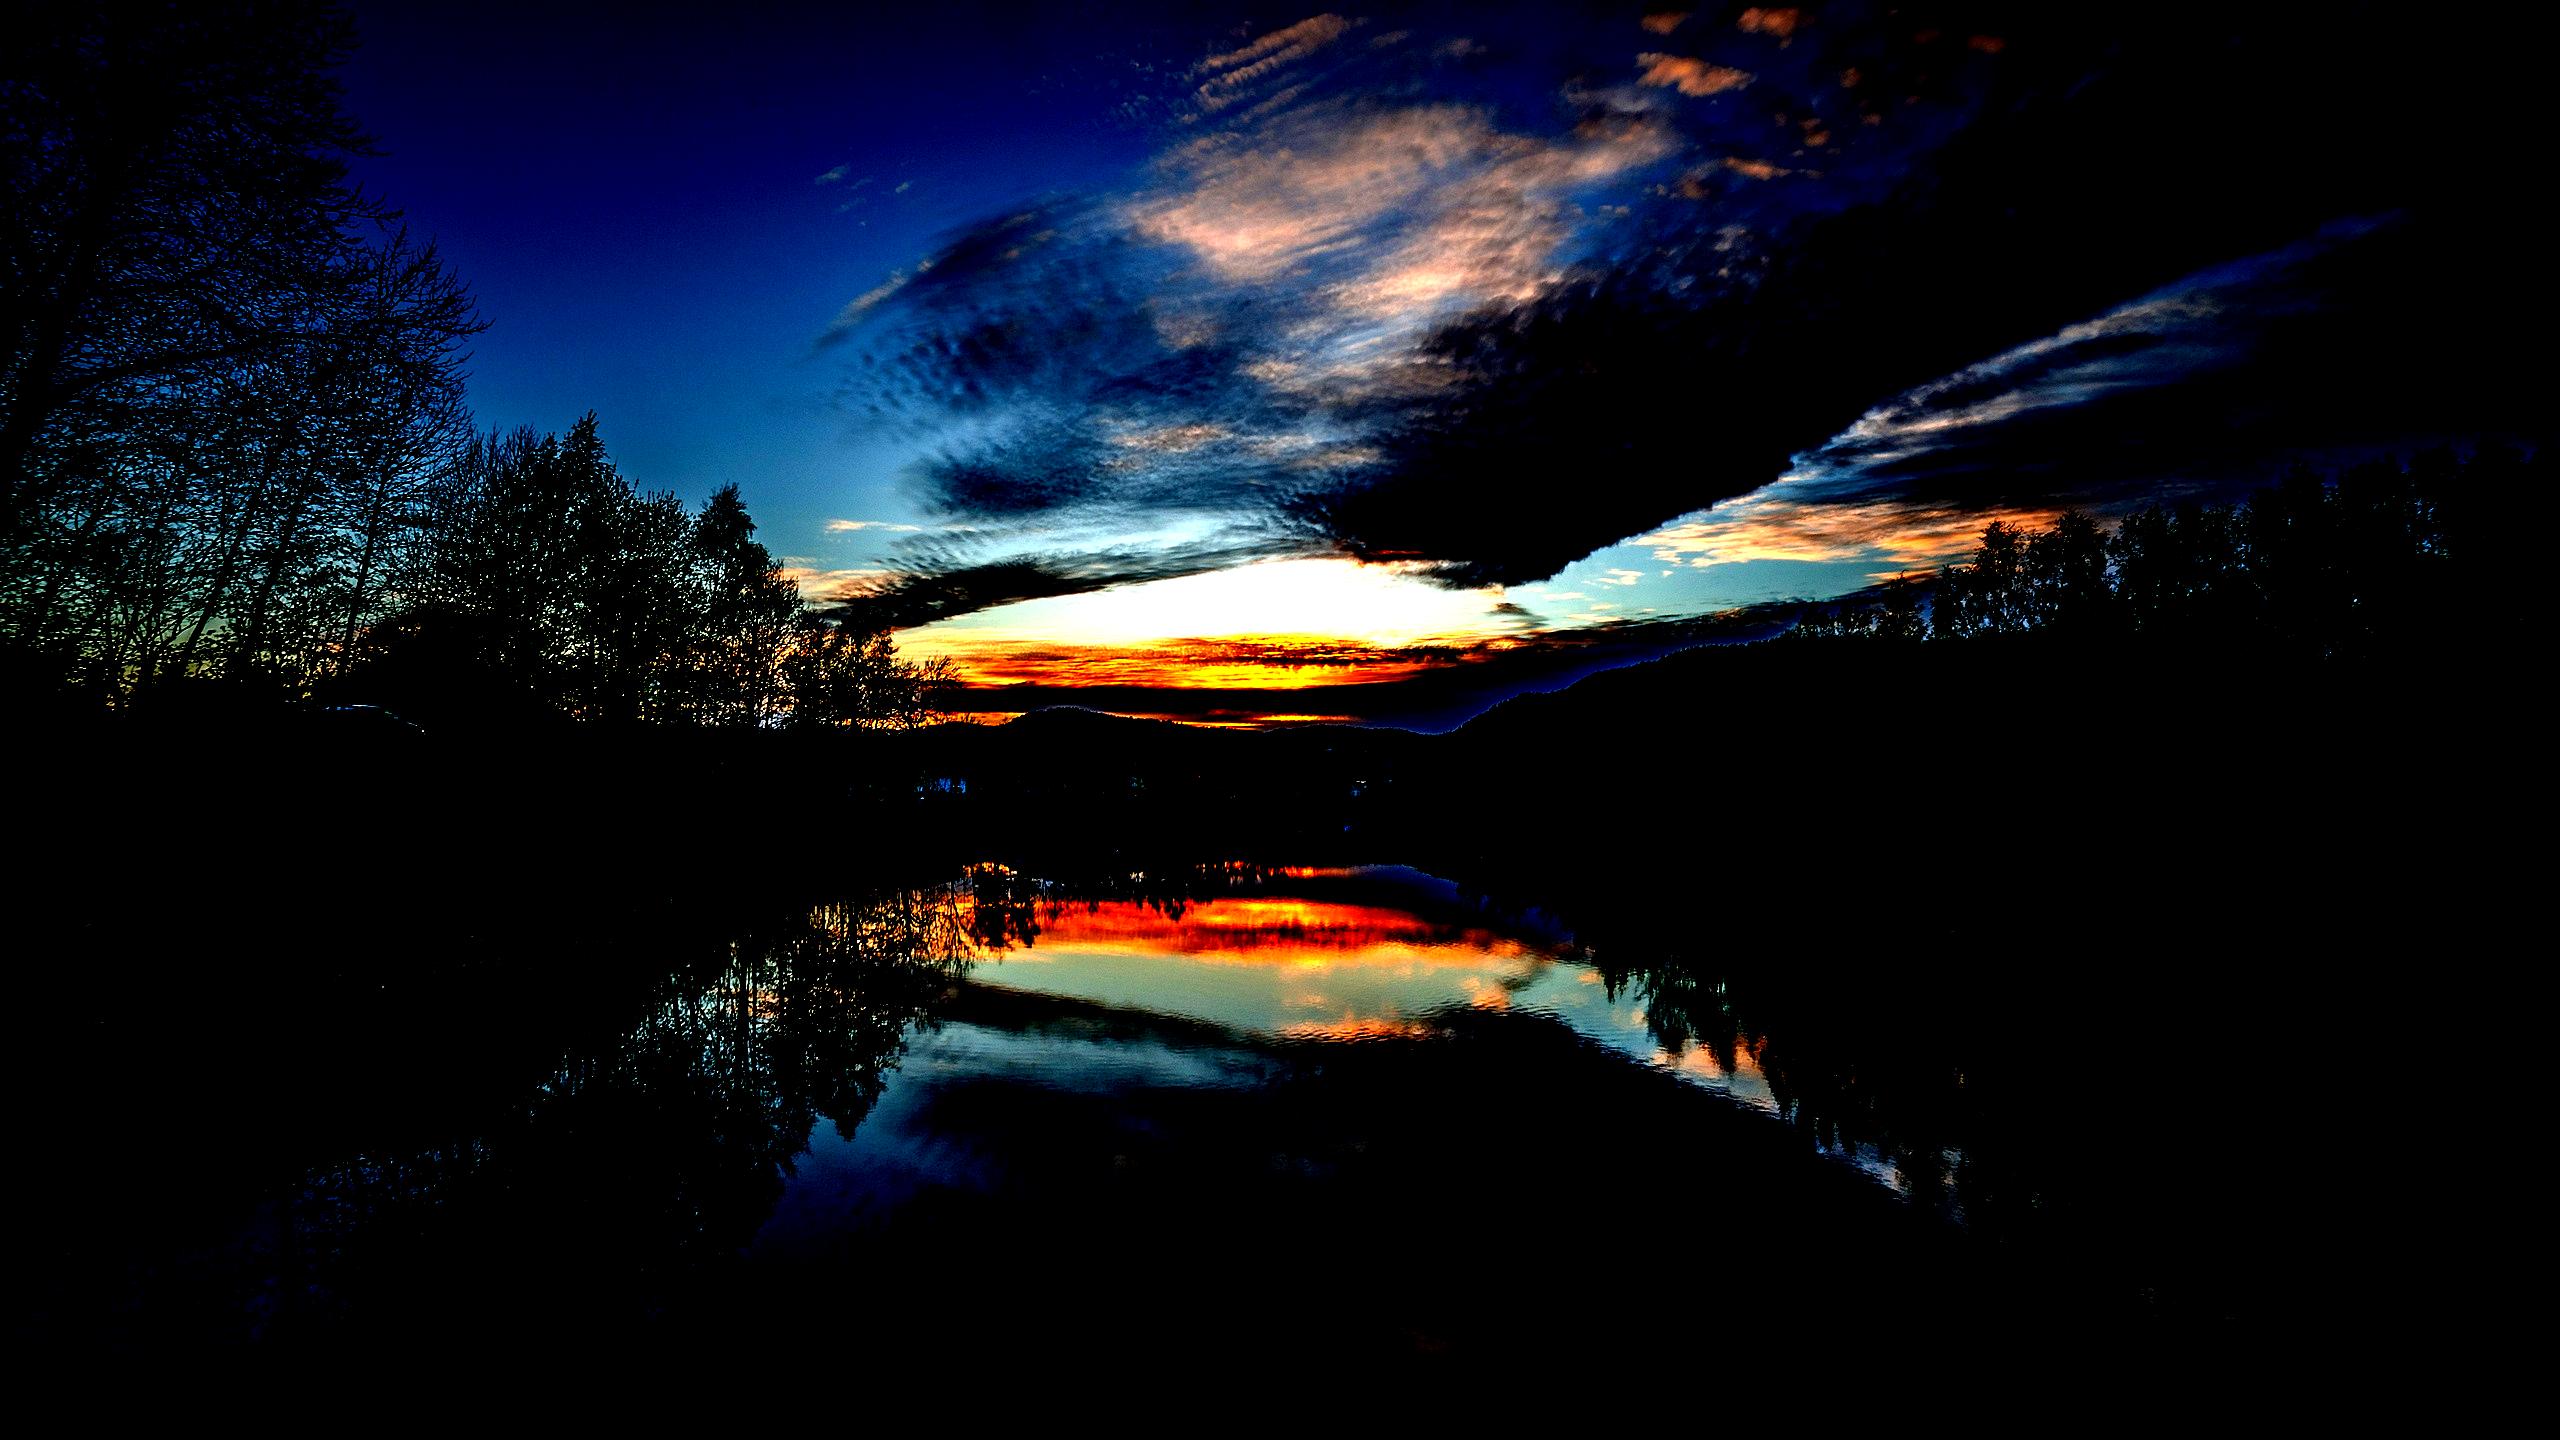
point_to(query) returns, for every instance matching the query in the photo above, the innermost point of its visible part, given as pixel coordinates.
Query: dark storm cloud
(1455, 331)
(930, 585)
(1657, 389)
(2396, 332)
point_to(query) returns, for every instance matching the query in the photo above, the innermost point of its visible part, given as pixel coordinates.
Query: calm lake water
(1297, 957)
(1347, 1111)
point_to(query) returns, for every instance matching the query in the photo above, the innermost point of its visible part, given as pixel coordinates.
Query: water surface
(1219, 1085)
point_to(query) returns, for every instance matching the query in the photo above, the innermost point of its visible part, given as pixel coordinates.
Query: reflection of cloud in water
(896, 1152)
(1285, 968)
(1328, 970)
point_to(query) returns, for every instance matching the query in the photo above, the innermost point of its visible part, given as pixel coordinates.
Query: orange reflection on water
(1699, 1060)
(1353, 1027)
(1248, 719)
(1306, 969)
(1276, 932)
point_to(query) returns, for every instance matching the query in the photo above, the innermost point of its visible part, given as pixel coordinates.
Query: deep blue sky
(631, 199)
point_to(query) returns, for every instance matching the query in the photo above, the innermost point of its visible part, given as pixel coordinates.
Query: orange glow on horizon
(1255, 662)
(1271, 625)
(1334, 623)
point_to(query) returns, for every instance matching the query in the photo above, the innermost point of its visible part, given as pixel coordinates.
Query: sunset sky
(1175, 348)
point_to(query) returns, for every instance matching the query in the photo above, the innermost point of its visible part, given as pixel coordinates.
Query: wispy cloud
(859, 306)
(1891, 530)
(821, 586)
(1279, 47)
(1756, 169)
(1398, 213)
(846, 527)
(941, 582)
(1232, 75)
(1170, 439)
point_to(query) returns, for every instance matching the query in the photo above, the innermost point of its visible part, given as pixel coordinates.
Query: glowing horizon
(1271, 625)
(1295, 624)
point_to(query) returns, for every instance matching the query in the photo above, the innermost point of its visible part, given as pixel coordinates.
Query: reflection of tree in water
(1851, 1067)
(1854, 1071)
(1855, 1067)
(1010, 908)
(2103, 1123)
(649, 1158)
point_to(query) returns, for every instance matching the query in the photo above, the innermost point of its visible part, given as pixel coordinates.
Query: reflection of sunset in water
(1332, 970)
(1271, 959)
(1308, 969)
(1276, 932)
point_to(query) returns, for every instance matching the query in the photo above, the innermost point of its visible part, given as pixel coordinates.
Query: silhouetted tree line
(532, 562)
(228, 367)
(2380, 555)
(233, 443)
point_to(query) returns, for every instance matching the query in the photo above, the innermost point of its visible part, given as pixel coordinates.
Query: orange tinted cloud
(1690, 76)
(1307, 35)
(863, 304)
(1233, 72)
(1663, 22)
(1249, 214)
(1775, 529)
(1170, 439)
(1781, 22)
(1450, 208)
